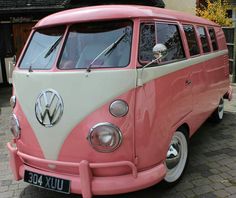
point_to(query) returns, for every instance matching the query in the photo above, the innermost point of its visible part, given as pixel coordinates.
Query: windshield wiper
(107, 51)
(53, 47)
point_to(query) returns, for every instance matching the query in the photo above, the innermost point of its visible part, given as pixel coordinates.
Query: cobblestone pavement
(211, 171)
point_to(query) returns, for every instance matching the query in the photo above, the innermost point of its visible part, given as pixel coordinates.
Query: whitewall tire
(176, 159)
(218, 114)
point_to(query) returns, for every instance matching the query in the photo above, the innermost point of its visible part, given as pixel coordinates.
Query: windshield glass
(43, 48)
(97, 45)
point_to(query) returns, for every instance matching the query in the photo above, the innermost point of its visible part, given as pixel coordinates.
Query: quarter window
(168, 34)
(191, 39)
(213, 38)
(204, 40)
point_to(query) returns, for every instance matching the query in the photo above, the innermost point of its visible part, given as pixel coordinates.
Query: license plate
(48, 182)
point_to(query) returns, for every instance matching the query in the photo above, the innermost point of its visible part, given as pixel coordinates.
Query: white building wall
(188, 6)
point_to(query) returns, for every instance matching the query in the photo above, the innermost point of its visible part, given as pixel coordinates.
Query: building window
(191, 39)
(229, 13)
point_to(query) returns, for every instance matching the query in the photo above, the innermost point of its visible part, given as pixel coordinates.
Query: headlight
(105, 137)
(13, 101)
(119, 108)
(15, 126)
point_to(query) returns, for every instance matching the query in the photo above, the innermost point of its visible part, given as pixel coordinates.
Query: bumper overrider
(87, 184)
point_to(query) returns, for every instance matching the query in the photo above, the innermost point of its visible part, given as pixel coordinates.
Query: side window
(204, 40)
(191, 39)
(147, 42)
(168, 34)
(213, 38)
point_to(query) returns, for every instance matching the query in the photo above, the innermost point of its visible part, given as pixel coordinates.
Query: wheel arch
(185, 129)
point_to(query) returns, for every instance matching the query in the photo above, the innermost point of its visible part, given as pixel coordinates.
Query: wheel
(176, 159)
(218, 114)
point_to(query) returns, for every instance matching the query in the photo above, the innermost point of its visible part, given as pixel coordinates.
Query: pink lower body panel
(85, 183)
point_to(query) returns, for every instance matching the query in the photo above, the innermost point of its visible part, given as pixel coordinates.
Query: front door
(166, 94)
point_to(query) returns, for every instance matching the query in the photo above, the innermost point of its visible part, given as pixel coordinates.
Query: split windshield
(87, 45)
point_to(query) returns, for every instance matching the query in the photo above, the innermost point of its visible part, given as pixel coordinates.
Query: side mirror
(159, 51)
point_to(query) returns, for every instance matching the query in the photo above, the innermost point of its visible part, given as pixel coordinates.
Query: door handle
(188, 82)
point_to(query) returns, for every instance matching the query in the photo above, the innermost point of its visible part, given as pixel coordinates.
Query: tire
(218, 114)
(176, 159)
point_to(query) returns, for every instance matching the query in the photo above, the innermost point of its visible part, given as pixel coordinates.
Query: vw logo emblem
(48, 108)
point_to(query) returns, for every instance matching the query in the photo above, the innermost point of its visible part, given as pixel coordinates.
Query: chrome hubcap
(176, 157)
(173, 155)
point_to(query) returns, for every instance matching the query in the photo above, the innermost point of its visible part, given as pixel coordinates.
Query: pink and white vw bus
(106, 98)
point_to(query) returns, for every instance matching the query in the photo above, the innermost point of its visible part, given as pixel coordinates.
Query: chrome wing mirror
(159, 52)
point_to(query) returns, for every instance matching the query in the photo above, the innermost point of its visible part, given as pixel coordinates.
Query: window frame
(207, 38)
(29, 42)
(142, 63)
(67, 33)
(196, 37)
(181, 41)
(179, 29)
(217, 44)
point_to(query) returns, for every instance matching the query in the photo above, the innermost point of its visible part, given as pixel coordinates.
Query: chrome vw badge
(49, 108)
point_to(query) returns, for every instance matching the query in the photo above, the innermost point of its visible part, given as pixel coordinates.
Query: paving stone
(3, 188)
(201, 182)
(231, 166)
(225, 175)
(184, 186)
(8, 194)
(6, 182)
(208, 195)
(14, 187)
(189, 193)
(221, 193)
(217, 186)
(232, 196)
(231, 190)
(214, 165)
(226, 183)
(215, 171)
(215, 178)
(200, 190)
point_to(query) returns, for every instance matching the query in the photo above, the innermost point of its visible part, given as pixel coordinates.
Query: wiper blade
(106, 51)
(114, 45)
(53, 47)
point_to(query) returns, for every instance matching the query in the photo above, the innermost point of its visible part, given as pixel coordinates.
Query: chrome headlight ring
(13, 101)
(15, 126)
